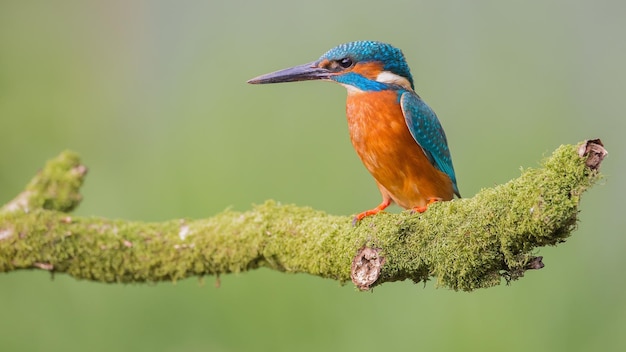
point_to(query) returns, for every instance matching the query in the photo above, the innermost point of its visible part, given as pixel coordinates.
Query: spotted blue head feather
(369, 50)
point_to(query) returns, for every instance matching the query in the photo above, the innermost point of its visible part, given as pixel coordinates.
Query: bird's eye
(345, 62)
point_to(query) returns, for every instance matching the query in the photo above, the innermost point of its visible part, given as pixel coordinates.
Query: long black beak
(306, 72)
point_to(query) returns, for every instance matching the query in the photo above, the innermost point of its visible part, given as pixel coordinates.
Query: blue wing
(428, 133)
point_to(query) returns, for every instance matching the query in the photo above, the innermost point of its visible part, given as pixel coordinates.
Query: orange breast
(382, 140)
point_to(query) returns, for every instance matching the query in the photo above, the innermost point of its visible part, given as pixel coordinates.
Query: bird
(396, 135)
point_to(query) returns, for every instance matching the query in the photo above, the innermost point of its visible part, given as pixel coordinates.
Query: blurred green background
(152, 94)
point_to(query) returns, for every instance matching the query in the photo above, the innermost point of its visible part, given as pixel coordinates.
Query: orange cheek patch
(324, 63)
(368, 69)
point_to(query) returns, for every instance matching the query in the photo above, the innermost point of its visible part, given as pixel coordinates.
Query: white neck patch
(392, 78)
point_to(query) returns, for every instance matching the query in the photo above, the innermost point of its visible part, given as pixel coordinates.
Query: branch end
(594, 150)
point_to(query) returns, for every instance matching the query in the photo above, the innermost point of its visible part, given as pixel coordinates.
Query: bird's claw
(363, 215)
(422, 208)
(360, 216)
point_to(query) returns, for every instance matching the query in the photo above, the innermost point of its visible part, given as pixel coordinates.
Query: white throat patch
(351, 89)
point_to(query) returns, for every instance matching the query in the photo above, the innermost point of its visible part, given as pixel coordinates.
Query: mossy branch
(466, 244)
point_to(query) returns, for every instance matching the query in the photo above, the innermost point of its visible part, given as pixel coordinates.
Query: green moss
(465, 244)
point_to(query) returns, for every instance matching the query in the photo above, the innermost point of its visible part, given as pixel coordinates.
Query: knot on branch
(535, 263)
(366, 267)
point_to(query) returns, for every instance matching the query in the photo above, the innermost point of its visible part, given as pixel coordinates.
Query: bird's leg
(384, 204)
(421, 209)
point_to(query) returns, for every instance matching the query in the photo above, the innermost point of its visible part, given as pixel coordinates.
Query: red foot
(385, 203)
(423, 208)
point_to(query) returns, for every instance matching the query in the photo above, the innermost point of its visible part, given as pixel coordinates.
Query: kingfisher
(397, 136)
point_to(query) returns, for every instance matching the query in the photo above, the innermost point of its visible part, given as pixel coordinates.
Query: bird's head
(360, 66)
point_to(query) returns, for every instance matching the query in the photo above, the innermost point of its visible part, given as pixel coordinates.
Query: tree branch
(466, 243)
